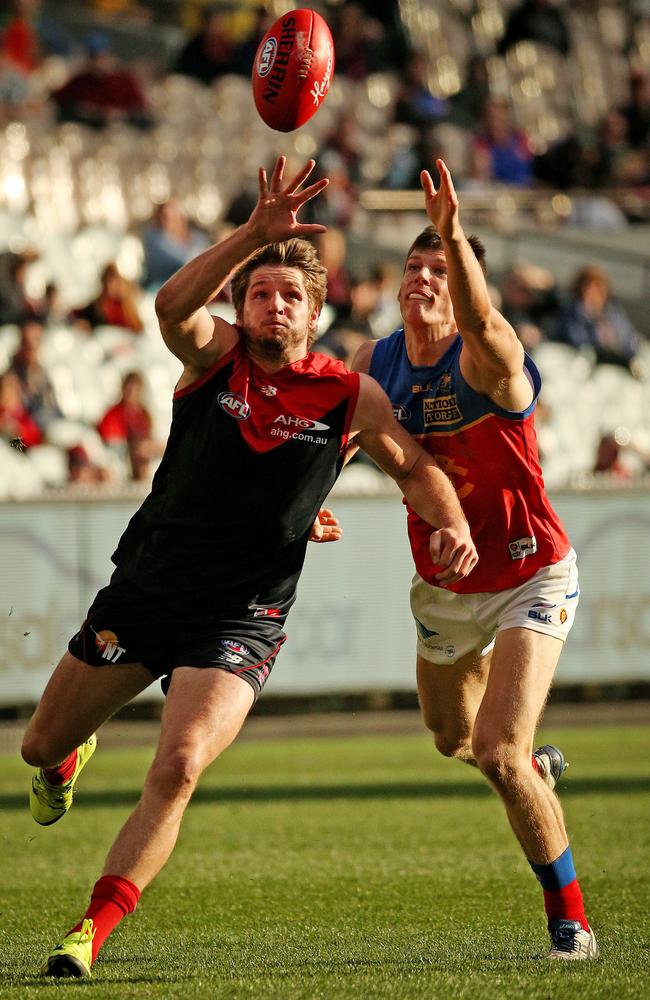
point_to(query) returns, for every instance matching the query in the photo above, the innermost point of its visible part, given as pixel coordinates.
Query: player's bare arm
(492, 360)
(196, 337)
(423, 483)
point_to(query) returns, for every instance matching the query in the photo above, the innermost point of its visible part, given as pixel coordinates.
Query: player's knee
(498, 761)
(451, 745)
(175, 775)
(34, 751)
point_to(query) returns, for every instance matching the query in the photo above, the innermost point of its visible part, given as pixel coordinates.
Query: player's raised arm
(191, 333)
(493, 357)
(423, 483)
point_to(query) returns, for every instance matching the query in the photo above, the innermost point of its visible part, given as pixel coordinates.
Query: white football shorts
(451, 625)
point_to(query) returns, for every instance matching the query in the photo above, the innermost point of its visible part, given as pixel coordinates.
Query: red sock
(62, 772)
(112, 898)
(566, 903)
(536, 766)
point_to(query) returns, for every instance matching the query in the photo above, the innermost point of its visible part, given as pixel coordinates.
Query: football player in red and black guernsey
(206, 570)
(487, 644)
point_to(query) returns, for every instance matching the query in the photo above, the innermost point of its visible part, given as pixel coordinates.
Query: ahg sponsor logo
(302, 422)
(297, 436)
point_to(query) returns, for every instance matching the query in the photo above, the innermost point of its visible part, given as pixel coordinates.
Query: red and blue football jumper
(490, 455)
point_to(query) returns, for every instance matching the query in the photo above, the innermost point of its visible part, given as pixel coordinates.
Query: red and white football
(293, 69)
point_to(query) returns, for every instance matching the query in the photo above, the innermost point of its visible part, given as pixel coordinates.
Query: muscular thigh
(450, 695)
(522, 669)
(77, 700)
(204, 710)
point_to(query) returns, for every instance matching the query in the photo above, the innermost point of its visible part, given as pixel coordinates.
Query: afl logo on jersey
(234, 405)
(401, 413)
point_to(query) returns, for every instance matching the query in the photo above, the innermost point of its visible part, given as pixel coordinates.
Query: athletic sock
(62, 772)
(562, 895)
(536, 766)
(113, 897)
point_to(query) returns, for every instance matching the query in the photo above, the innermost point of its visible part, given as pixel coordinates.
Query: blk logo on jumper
(522, 547)
(234, 405)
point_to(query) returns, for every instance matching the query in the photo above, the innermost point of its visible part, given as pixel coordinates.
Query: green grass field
(355, 868)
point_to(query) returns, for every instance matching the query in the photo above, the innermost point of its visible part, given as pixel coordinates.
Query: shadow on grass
(611, 785)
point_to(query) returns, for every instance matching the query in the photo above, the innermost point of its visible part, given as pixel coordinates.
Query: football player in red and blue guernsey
(487, 645)
(207, 569)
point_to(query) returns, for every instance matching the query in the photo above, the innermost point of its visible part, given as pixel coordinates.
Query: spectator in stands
(341, 342)
(537, 21)
(37, 392)
(365, 296)
(338, 203)
(388, 314)
(416, 104)
(14, 91)
(614, 163)
(637, 111)
(127, 427)
(503, 146)
(591, 319)
(54, 309)
(332, 251)
(16, 425)
(346, 140)
(19, 37)
(15, 302)
(244, 52)
(608, 459)
(169, 242)
(210, 53)
(529, 303)
(81, 468)
(103, 91)
(466, 106)
(360, 42)
(116, 304)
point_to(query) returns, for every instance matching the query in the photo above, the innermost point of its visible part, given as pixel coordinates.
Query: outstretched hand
(453, 550)
(274, 218)
(326, 527)
(441, 205)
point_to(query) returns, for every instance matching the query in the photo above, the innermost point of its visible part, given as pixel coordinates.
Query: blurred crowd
(475, 125)
(488, 133)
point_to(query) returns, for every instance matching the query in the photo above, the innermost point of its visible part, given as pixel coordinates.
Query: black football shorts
(124, 625)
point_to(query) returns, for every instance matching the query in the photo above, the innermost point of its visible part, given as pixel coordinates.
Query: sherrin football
(293, 69)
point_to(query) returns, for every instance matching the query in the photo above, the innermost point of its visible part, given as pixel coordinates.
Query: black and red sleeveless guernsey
(250, 458)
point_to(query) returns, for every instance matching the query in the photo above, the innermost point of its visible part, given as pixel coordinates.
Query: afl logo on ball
(267, 57)
(234, 405)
